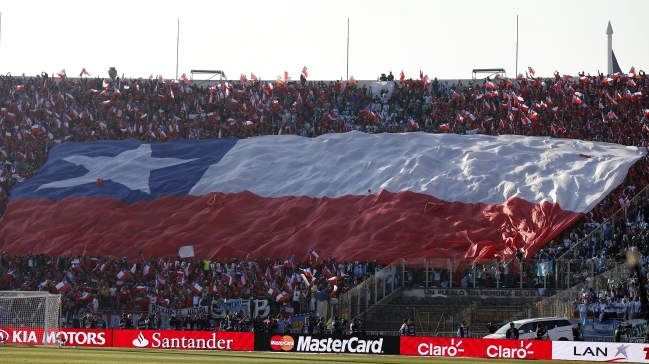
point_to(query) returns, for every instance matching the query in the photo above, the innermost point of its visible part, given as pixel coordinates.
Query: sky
(445, 39)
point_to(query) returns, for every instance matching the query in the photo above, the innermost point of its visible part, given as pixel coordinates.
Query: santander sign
(172, 339)
(140, 341)
(160, 341)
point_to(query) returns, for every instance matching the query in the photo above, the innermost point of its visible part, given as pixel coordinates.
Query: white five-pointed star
(622, 350)
(130, 168)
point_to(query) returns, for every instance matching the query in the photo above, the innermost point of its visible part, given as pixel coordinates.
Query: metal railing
(620, 219)
(497, 274)
(563, 304)
(434, 314)
(369, 292)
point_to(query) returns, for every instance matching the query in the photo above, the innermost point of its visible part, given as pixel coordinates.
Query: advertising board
(305, 343)
(598, 351)
(72, 337)
(175, 339)
(475, 348)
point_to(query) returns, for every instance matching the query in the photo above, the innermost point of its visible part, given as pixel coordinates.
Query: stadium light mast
(516, 46)
(347, 48)
(177, 47)
(609, 54)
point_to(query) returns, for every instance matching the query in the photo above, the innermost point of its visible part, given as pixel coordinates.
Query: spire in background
(609, 29)
(609, 51)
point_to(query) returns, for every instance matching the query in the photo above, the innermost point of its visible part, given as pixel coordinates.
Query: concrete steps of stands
(430, 310)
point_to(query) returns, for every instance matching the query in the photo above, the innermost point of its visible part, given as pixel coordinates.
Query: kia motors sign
(327, 344)
(173, 339)
(70, 337)
(86, 337)
(476, 348)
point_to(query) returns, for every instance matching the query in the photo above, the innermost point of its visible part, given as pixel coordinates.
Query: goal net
(29, 318)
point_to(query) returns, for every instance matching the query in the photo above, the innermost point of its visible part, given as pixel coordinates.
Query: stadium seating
(38, 113)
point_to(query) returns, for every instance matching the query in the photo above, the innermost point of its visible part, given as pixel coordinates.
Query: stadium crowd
(114, 284)
(39, 112)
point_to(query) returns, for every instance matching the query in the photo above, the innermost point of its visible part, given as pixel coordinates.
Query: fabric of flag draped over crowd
(390, 196)
(355, 195)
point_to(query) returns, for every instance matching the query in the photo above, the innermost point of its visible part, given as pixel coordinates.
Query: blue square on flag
(130, 170)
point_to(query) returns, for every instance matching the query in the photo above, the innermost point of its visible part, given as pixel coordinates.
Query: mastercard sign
(285, 343)
(317, 343)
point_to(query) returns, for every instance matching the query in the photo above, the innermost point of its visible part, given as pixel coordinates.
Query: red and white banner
(476, 348)
(598, 351)
(86, 337)
(73, 337)
(419, 346)
(172, 339)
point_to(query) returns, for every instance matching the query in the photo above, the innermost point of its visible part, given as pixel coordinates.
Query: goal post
(29, 318)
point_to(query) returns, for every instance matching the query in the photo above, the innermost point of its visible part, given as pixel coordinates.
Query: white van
(559, 329)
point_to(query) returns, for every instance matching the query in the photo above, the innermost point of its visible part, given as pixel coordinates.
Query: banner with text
(327, 343)
(68, 336)
(218, 309)
(471, 292)
(608, 352)
(476, 348)
(173, 339)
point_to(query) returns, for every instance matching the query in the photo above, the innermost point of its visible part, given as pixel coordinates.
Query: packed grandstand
(49, 111)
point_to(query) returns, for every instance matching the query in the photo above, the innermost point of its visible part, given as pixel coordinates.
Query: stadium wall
(360, 83)
(307, 343)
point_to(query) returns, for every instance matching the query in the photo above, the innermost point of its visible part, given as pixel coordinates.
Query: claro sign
(477, 348)
(327, 344)
(172, 339)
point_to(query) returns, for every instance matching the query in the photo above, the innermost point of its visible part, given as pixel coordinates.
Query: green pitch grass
(19, 354)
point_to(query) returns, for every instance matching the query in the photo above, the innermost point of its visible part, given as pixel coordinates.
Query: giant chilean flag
(352, 195)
